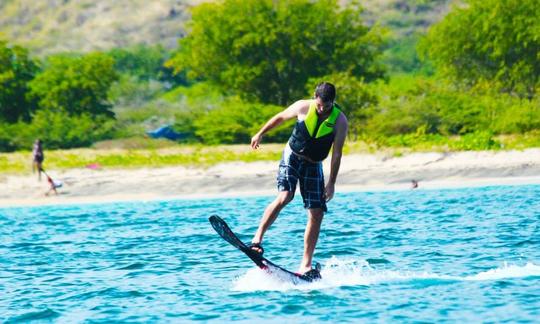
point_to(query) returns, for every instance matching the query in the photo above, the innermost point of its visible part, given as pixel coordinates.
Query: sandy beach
(359, 172)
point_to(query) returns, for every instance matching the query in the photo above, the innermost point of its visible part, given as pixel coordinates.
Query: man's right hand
(255, 140)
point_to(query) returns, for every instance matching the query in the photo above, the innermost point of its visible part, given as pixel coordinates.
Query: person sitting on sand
(53, 185)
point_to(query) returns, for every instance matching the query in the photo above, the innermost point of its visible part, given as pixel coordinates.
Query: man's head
(325, 93)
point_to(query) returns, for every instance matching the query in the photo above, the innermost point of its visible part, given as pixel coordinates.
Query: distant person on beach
(37, 158)
(320, 126)
(53, 184)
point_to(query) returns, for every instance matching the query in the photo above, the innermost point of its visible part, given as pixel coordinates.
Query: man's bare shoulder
(298, 109)
(342, 119)
(301, 106)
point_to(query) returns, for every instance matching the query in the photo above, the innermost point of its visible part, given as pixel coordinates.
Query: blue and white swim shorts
(294, 169)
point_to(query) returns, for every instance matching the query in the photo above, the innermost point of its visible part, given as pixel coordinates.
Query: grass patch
(520, 142)
(184, 155)
(141, 152)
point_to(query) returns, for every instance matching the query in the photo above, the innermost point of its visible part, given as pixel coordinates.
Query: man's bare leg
(311, 235)
(270, 214)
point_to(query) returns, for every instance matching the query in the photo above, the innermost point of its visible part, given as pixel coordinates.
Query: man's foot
(257, 247)
(313, 273)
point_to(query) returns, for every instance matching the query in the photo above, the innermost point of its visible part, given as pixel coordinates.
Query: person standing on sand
(37, 158)
(320, 126)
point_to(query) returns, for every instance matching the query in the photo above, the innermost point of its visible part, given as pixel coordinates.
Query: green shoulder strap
(327, 125)
(311, 119)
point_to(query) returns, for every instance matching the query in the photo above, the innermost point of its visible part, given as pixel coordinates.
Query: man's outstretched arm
(289, 113)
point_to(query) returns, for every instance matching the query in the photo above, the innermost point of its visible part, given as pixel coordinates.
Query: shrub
(60, 130)
(236, 122)
(479, 140)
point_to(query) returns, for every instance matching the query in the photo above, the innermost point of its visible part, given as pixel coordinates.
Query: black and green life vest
(312, 137)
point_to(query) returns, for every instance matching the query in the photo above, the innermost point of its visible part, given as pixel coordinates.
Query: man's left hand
(329, 191)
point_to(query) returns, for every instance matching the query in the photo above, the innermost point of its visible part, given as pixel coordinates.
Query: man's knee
(316, 214)
(284, 198)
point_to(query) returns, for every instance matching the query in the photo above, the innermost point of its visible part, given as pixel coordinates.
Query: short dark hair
(326, 91)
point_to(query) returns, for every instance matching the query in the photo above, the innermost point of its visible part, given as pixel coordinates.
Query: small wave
(377, 261)
(349, 272)
(46, 314)
(134, 266)
(507, 271)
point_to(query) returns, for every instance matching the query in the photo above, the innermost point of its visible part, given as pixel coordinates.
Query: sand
(358, 172)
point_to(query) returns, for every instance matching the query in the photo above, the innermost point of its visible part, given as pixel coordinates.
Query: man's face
(323, 107)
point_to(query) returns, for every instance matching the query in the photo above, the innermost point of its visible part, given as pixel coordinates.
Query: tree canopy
(142, 61)
(490, 40)
(75, 85)
(266, 50)
(16, 69)
(146, 63)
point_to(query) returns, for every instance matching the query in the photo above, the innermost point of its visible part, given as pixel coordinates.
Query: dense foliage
(401, 57)
(236, 122)
(267, 50)
(490, 40)
(141, 61)
(75, 85)
(16, 69)
(146, 63)
(249, 59)
(64, 104)
(59, 130)
(427, 105)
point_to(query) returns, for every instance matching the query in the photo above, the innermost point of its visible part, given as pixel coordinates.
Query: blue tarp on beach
(166, 131)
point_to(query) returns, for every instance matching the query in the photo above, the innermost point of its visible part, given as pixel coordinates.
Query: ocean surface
(451, 255)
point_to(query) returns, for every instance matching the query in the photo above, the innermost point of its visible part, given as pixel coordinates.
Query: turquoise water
(426, 255)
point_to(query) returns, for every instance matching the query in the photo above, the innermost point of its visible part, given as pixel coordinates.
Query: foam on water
(507, 271)
(349, 272)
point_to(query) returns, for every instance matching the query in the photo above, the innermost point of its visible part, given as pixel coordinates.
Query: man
(320, 126)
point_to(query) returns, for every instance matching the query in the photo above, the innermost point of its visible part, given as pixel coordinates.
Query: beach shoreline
(358, 172)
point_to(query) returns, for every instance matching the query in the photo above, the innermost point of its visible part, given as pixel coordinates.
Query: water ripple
(404, 256)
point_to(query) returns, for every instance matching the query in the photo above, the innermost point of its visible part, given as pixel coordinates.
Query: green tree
(142, 61)
(266, 50)
(401, 56)
(235, 121)
(58, 129)
(410, 104)
(146, 63)
(433, 106)
(16, 70)
(75, 85)
(490, 40)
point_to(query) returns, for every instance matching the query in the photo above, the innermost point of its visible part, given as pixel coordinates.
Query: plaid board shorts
(294, 169)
